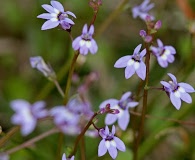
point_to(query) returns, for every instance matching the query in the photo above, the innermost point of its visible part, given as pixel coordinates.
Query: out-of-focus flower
(142, 10)
(133, 63)
(64, 157)
(123, 106)
(80, 106)
(110, 143)
(27, 114)
(56, 16)
(164, 54)
(4, 157)
(38, 63)
(177, 91)
(66, 120)
(85, 42)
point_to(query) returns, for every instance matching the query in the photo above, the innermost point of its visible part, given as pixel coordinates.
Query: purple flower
(133, 63)
(4, 157)
(164, 54)
(38, 63)
(27, 115)
(123, 106)
(177, 91)
(85, 42)
(64, 157)
(142, 10)
(110, 143)
(65, 120)
(56, 16)
(80, 106)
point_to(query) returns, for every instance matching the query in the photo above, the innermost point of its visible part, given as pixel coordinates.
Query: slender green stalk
(4, 139)
(59, 88)
(144, 109)
(68, 84)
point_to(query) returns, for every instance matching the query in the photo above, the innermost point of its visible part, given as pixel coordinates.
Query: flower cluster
(72, 117)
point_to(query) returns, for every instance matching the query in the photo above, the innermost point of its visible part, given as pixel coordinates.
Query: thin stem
(68, 84)
(4, 139)
(59, 146)
(32, 141)
(82, 148)
(145, 101)
(82, 134)
(59, 88)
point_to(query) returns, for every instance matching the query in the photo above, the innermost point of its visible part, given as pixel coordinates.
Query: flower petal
(119, 144)
(70, 13)
(141, 71)
(186, 97)
(57, 5)
(112, 151)
(45, 16)
(122, 62)
(160, 44)
(91, 30)
(175, 101)
(123, 121)
(129, 71)
(18, 105)
(187, 87)
(110, 119)
(112, 103)
(102, 148)
(137, 49)
(172, 77)
(49, 24)
(48, 8)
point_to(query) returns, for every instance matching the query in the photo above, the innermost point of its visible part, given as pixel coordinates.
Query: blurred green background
(21, 37)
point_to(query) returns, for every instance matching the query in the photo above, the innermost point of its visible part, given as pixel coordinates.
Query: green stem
(145, 101)
(68, 84)
(4, 139)
(82, 134)
(59, 88)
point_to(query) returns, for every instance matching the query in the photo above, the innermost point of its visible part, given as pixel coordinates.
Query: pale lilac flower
(38, 63)
(80, 106)
(164, 54)
(110, 143)
(64, 157)
(65, 120)
(177, 91)
(56, 16)
(123, 106)
(4, 156)
(27, 114)
(133, 63)
(85, 42)
(142, 10)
